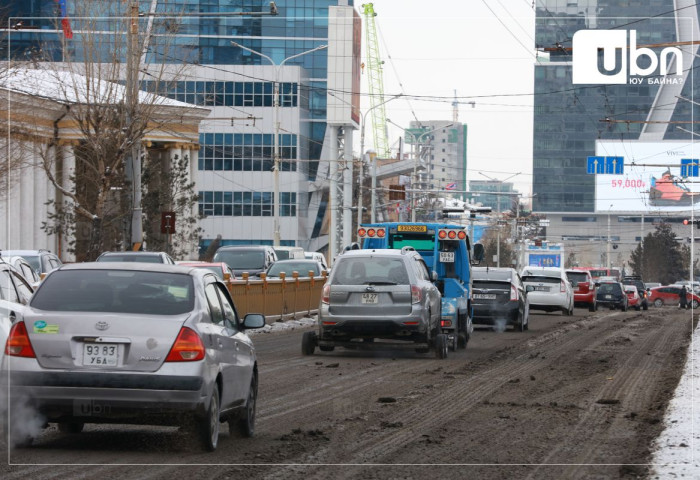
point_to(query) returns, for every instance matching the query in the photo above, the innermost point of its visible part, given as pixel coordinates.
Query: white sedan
(548, 289)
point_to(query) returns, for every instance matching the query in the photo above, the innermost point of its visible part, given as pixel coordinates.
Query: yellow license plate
(412, 228)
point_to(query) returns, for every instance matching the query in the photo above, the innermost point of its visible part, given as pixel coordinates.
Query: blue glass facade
(569, 118)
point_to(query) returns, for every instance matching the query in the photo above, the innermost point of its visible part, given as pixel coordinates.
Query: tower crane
(376, 83)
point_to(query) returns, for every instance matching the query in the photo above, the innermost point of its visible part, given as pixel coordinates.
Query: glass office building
(569, 118)
(234, 165)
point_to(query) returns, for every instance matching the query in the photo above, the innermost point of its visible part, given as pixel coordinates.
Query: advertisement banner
(653, 179)
(544, 260)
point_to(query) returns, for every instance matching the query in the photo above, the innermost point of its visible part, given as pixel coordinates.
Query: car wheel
(624, 307)
(452, 344)
(70, 427)
(658, 302)
(645, 306)
(209, 425)
(308, 343)
(592, 307)
(638, 308)
(694, 303)
(462, 340)
(441, 345)
(246, 422)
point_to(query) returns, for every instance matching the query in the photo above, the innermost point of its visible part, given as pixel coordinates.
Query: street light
(276, 103)
(498, 214)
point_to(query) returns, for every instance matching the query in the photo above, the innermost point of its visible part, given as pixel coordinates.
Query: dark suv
(253, 259)
(636, 280)
(612, 294)
(499, 298)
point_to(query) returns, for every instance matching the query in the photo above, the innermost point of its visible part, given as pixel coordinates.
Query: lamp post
(276, 104)
(498, 214)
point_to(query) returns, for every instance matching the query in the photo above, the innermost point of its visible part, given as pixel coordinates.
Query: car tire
(638, 308)
(70, 427)
(246, 422)
(308, 343)
(658, 302)
(441, 345)
(209, 425)
(624, 307)
(462, 340)
(452, 345)
(695, 303)
(645, 306)
(592, 307)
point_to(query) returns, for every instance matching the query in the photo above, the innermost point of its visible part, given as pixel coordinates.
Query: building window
(245, 152)
(245, 204)
(579, 219)
(226, 94)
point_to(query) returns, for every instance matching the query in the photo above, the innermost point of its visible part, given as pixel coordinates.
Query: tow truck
(447, 250)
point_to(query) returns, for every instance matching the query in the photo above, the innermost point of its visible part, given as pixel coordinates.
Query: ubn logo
(586, 44)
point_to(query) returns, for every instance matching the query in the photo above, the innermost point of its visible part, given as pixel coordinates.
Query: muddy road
(573, 397)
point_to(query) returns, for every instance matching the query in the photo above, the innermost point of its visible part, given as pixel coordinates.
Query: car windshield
(239, 259)
(369, 270)
(576, 278)
(115, 291)
(484, 285)
(301, 267)
(541, 279)
(34, 261)
(282, 254)
(609, 288)
(130, 258)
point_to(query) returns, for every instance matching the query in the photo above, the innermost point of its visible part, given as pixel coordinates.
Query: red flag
(67, 31)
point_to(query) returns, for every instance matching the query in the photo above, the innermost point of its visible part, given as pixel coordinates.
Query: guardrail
(279, 298)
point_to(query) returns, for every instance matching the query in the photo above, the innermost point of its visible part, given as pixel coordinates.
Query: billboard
(652, 179)
(544, 260)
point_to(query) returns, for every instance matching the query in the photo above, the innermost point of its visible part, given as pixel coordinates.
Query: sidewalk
(676, 454)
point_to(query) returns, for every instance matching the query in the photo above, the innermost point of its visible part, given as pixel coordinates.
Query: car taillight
(326, 294)
(513, 293)
(562, 287)
(188, 347)
(416, 294)
(18, 344)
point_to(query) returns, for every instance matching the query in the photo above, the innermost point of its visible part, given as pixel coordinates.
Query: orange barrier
(280, 298)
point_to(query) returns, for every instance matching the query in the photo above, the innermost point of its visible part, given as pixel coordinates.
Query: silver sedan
(133, 343)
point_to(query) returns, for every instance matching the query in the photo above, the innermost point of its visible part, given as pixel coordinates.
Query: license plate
(447, 257)
(608, 297)
(100, 354)
(412, 228)
(485, 296)
(369, 298)
(541, 289)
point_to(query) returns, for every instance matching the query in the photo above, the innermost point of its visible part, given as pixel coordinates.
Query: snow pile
(284, 326)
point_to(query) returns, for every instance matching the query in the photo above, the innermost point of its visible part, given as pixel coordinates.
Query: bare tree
(107, 115)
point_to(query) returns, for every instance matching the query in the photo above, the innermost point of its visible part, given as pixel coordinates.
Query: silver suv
(42, 261)
(385, 295)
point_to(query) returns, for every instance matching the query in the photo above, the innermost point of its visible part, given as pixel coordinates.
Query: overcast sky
(483, 49)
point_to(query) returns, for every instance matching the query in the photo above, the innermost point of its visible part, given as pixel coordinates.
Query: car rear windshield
(370, 270)
(116, 291)
(239, 259)
(131, 258)
(576, 278)
(609, 288)
(541, 279)
(481, 284)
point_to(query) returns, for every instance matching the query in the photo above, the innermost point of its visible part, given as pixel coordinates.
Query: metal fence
(279, 298)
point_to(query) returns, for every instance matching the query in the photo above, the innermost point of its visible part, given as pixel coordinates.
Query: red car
(584, 289)
(670, 295)
(633, 298)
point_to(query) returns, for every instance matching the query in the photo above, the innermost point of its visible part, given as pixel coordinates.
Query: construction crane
(376, 84)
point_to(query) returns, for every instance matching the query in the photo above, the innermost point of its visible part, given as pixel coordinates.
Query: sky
(483, 49)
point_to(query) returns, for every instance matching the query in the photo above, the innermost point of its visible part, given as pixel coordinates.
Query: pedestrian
(683, 298)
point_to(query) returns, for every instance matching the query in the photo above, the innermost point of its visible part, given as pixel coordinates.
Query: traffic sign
(605, 165)
(595, 165)
(690, 167)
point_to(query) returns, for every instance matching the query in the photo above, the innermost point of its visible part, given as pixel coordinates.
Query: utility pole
(133, 157)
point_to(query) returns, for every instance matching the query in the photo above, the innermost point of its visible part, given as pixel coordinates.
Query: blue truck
(446, 249)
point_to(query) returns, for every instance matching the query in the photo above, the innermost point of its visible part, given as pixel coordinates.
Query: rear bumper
(410, 327)
(584, 298)
(547, 301)
(489, 314)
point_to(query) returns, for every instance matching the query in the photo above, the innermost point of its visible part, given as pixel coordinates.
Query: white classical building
(39, 130)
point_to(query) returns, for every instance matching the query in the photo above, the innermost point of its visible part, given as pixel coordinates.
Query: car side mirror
(433, 276)
(253, 320)
(529, 288)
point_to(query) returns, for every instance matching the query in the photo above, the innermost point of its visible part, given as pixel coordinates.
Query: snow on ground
(676, 454)
(284, 325)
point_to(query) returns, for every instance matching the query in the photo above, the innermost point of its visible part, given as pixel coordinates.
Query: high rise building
(233, 63)
(570, 117)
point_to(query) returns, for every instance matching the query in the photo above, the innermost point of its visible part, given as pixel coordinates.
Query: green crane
(376, 83)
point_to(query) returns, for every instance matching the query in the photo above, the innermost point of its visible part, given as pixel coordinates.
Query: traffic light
(690, 222)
